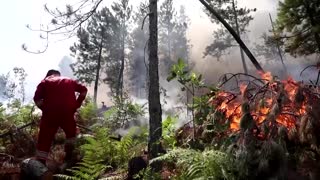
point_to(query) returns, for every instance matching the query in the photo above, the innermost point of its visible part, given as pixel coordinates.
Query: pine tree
(173, 42)
(95, 48)
(181, 44)
(21, 76)
(267, 48)
(167, 25)
(122, 13)
(299, 20)
(238, 18)
(3, 85)
(139, 54)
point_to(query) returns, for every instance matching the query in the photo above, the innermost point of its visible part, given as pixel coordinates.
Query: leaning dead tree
(234, 34)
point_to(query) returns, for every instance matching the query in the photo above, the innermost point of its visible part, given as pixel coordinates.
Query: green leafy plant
(168, 132)
(191, 82)
(148, 174)
(122, 113)
(101, 153)
(192, 164)
(87, 114)
(103, 148)
(21, 114)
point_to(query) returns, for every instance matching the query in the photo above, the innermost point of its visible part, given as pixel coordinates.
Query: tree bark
(234, 34)
(155, 122)
(120, 77)
(245, 69)
(96, 82)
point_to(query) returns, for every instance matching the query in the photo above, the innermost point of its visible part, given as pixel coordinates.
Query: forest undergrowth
(233, 135)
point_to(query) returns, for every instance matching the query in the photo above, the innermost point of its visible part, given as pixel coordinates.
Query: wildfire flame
(266, 76)
(231, 106)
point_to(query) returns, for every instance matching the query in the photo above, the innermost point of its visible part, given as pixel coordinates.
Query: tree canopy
(298, 25)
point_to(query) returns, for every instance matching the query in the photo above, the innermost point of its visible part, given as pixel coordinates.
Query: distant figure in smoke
(104, 107)
(55, 96)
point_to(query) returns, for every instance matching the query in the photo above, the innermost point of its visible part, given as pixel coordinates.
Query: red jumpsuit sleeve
(39, 95)
(83, 92)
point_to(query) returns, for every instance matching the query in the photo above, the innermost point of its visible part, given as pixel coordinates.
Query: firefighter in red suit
(56, 97)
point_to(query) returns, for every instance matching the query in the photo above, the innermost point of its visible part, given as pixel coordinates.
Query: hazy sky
(15, 14)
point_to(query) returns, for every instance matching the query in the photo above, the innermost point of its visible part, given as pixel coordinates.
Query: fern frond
(194, 170)
(65, 177)
(210, 164)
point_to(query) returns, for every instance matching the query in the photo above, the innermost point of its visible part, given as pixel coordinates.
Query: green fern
(103, 148)
(88, 113)
(99, 153)
(192, 164)
(86, 170)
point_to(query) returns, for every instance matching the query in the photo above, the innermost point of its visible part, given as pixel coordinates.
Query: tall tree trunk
(120, 77)
(245, 69)
(314, 25)
(155, 122)
(96, 82)
(234, 34)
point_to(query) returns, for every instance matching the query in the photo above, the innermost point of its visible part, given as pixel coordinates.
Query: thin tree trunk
(169, 42)
(234, 34)
(120, 77)
(245, 69)
(96, 82)
(278, 47)
(155, 122)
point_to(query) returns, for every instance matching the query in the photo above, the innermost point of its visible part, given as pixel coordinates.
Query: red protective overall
(59, 103)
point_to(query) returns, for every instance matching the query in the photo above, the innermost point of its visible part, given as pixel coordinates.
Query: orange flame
(287, 116)
(266, 76)
(243, 88)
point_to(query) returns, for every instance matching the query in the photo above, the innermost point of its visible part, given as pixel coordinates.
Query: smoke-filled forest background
(192, 25)
(207, 89)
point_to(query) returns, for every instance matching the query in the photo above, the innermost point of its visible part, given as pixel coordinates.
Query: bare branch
(65, 23)
(25, 48)
(144, 19)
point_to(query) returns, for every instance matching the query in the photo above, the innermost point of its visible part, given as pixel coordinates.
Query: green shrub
(88, 113)
(100, 153)
(168, 132)
(123, 113)
(110, 152)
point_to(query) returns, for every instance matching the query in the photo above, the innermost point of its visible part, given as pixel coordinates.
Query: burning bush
(271, 103)
(269, 115)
